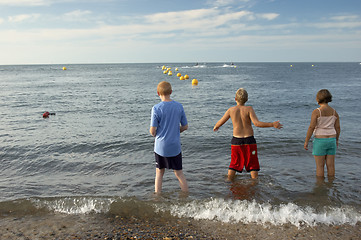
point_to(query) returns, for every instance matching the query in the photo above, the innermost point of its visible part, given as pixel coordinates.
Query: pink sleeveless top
(325, 125)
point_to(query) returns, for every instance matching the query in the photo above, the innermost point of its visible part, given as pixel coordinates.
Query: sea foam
(234, 211)
(216, 209)
(75, 205)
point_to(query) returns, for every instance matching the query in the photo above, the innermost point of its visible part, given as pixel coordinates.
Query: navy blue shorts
(174, 163)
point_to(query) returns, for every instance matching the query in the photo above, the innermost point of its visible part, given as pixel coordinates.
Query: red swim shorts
(244, 154)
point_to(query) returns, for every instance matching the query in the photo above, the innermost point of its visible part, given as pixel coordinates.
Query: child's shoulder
(242, 108)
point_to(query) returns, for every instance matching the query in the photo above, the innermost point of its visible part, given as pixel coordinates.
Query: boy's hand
(153, 131)
(277, 125)
(183, 128)
(215, 129)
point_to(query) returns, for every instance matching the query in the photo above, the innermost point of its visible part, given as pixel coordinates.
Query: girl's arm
(224, 119)
(311, 128)
(337, 127)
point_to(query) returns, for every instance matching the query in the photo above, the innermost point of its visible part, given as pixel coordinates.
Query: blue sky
(162, 31)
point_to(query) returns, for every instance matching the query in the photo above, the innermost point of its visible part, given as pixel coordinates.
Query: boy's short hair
(324, 96)
(241, 95)
(164, 88)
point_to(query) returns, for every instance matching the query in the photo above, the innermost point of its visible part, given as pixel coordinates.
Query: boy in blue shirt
(168, 120)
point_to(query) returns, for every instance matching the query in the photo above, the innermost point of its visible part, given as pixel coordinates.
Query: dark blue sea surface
(96, 153)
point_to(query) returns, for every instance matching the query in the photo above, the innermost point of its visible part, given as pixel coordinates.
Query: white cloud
(195, 24)
(25, 2)
(181, 16)
(43, 2)
(221, 3)
(230, 17)
(76, 15)
(337, 25)
(22, 17)
(268, 16)
(1, 20)
(345, 18)
(128, 43)
(201, 19)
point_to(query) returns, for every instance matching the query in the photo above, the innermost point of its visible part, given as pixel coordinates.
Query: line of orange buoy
(168, 70)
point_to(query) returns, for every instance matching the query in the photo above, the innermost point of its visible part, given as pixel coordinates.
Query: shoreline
(101, 226)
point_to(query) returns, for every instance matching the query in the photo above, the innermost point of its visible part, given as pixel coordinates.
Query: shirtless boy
(243, 144)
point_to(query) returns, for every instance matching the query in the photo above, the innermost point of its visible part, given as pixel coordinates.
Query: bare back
(241, 120)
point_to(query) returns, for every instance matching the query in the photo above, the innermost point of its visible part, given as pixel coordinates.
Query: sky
(165, 31)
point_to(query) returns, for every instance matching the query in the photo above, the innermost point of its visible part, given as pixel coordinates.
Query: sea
(94, 155)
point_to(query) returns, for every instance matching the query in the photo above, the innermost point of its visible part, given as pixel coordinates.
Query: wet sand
(97, 226)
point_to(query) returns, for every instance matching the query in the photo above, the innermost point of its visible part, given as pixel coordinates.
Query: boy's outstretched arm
(224, 119)
(257, 123)
(277, 124)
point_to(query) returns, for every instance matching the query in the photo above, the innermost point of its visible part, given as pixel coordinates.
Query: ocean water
(96, 154)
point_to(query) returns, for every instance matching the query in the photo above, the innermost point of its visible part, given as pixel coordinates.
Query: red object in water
(46, 115)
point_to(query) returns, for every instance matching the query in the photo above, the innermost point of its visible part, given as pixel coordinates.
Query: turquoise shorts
(324, 146)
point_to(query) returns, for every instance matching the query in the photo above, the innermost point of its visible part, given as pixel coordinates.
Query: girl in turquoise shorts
(325, 126)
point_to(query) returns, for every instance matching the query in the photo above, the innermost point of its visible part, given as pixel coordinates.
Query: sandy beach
(99, 226)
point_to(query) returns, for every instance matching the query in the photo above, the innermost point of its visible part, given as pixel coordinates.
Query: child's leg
(231, 175)
(182, 180)
(159, 179)
(254, 174)
(330, 164)
(320, 165)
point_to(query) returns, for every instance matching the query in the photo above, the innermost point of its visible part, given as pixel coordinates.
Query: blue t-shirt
(167, 117)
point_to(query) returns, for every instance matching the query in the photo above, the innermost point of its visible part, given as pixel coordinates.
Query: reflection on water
(325, 191)
(243, 189)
